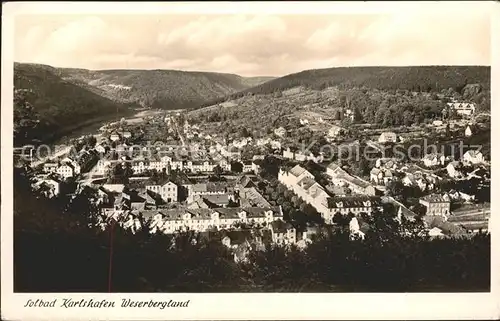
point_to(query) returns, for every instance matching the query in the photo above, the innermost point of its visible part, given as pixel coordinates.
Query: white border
(245, 306)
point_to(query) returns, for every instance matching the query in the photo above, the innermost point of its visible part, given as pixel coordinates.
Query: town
(169, 172)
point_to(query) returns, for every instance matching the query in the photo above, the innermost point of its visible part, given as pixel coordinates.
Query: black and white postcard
(253, 160)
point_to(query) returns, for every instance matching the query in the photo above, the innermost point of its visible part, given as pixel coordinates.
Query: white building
(468, 131)
(282, 233)
(53, 186)
(168, 191)
(302, 183)
(454, 169)
(341, 178)
(50, 167)
(288, 154)
(433, 160)
(280, 132)
(388, 137)
(275, 144)
(100, 149)
(334, 131)
(204, 219)
(66, 170)
(437, 205)
(355, 204)
(473, 157)
(381, 176)
(387, 163)
(247, 166)
(354, 228)
(436, 232)
(74, 163)
(462, 108)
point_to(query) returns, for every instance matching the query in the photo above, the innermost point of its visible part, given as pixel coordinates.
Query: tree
(419, 209)
(116, 171)
(395, 188)
(26, 122)
(244, 132)
(341, 220)
(236, 167)
(218, 171)
(127, 170)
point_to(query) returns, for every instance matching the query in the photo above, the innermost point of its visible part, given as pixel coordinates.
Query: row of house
(164, 163)
(471, 157)
(118, 135)
(383, 172)
(69, 166)
(436, 205)
(462, 108)
(167, 191)
(49, 185)
(357, 185)
(170, 221)
(300, 157)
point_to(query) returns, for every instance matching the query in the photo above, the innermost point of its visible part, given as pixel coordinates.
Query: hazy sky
(252, 45)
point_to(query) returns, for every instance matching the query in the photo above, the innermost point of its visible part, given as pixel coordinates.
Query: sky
(252, 44)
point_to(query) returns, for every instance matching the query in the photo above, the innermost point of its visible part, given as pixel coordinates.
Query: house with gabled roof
(283, 233)
(388, 137)
(355, 204)
(473, 157)
(292, 176)
(381, 176)
(50, 185)
(167, 190)
(204, 219)
(436, 205)
(433, 159)
(463, 108)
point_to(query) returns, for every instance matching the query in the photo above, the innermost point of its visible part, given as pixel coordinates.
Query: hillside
(397, 97)
(165, 89)
(58, 105)
(417, 79)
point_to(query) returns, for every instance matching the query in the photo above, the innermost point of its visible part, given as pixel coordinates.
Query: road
(181, 137)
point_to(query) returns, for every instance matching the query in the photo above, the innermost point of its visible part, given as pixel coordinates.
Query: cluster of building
(71, 166)
(303, 184)
(462, 108)
(301, 157)
(234, 210)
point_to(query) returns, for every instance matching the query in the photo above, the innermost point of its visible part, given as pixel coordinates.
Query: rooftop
(297, 170)
(217, 199)
(353, 201)
(306, 183)
(435, 198)
(354, 180)
(280, 226)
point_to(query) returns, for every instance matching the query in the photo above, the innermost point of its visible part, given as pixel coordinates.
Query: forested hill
(165, 89)
(58, 106)
(417, 79)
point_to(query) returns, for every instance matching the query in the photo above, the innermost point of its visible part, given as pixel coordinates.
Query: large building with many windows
(205, 219)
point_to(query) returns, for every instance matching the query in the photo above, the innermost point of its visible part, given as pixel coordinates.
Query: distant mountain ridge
(61, 106)
(415, 78)
(68, 98)
(165, 89)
